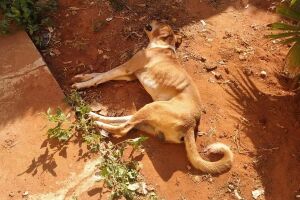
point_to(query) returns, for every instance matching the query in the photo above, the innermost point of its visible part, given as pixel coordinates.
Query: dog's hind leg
(142, 116)
(105, 119)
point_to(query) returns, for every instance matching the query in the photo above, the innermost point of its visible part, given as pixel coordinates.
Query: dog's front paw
(79, 86)
(82, 77)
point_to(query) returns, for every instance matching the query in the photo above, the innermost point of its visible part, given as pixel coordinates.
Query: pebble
(100, 51)
(105, 57)
(217, 75)
(109, 19)
(197, 179)
(210, 67)
(257, 193)
(242, 57)
(11, 194)
(263, 74)
(231, 187)
(25, 193)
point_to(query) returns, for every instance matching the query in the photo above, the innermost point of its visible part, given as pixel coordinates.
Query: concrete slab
(29, 162)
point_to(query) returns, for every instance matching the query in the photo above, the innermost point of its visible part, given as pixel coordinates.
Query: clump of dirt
(225, 52)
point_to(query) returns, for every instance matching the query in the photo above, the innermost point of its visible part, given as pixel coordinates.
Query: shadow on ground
(272, 124)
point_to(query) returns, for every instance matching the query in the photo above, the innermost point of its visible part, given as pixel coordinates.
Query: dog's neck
(153, 45)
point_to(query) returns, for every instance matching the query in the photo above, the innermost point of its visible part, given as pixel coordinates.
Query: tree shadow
(272, 124)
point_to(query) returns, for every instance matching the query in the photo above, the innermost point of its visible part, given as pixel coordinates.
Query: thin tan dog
(176, 110)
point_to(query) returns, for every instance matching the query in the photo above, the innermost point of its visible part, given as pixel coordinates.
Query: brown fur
(175, 112)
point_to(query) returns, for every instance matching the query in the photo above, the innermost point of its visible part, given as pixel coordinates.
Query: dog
(175, 112)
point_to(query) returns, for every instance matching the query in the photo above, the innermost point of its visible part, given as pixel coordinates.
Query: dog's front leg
(101, 78)
(122, 72)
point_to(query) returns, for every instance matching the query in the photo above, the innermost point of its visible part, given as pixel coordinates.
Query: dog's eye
(182, 139)
(148, 27)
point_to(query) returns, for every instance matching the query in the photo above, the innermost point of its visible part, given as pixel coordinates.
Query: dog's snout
(148, 27)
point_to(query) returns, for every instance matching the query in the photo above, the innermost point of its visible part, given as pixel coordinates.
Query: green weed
(30, 14)
(119, 174)
(289, 33)
(59, 131)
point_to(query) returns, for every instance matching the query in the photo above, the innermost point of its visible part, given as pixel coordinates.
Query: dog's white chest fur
(147, 80)
(154, 87)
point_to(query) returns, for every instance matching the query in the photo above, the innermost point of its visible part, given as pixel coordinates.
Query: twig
(237, 140)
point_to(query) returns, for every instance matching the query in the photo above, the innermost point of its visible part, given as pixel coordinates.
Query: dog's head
(162, 33)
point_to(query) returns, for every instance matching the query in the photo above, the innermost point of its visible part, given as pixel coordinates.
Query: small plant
(121, 175)
(59, 131)
(30, 14)
(290, 34)
(83, 124)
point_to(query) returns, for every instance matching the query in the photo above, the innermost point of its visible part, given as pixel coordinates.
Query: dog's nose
(148, 27)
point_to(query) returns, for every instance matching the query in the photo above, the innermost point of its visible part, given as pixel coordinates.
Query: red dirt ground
(258, 117)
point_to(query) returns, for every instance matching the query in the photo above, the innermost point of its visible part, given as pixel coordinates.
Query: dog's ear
(178, 40)
(164, 32)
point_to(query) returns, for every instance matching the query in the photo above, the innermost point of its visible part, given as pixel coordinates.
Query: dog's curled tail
(194, 157)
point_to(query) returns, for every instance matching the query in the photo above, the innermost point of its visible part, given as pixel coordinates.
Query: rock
(196, 179)
(142, 188)
(263, 74)
(222, 62)
(237, 195)
(202, 59)
(238, 50)
(242, 57)
(133, 187)
(25, 194)
(203, 23)
(109, 19)
(231, 187)
(106, 57)
(11, 194)
(209, 68)
(258, 192)
(217, 75)
(100, 51)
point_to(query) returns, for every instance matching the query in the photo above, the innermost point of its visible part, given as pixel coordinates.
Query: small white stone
(109, 19)
(263, 74)
(257, 193)
(25, 193)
